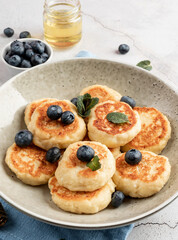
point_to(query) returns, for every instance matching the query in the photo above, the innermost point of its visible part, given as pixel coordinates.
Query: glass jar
(62, 22)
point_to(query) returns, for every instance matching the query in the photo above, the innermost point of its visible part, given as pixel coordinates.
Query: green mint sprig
(85, 103)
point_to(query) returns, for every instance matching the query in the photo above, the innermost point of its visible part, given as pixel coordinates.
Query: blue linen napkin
(22, 227)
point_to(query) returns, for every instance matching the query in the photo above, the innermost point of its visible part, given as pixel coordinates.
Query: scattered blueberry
(23, 138)
(117, 199)
(45, 57)
(85, 153)
(7, 56)
(53, 154)
(25, 64)
(14, 60)
(25, 34)
(74, 101)
(123, 48)
(36, 59)
(128, 100)
(29, 53)
(67, 117)
(54, 112)
(9, 32)
(38, 47)
(133, 157)
(27, 45)
(17, 48)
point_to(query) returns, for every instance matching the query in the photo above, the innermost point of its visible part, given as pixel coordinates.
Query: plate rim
(85, 226)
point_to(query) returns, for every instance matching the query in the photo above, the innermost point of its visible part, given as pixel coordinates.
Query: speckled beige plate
(65, 80)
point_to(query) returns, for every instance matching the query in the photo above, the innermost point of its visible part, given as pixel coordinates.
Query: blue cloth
(22, 227)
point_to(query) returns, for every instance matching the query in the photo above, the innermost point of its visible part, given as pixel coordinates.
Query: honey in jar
(62, 22)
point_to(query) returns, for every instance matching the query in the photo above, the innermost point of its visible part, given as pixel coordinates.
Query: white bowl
(64, 80)
(49, 51)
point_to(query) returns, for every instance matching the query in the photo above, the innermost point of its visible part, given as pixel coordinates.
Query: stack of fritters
(74, 186)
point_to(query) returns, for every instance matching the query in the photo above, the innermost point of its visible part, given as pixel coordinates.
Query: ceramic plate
(64, 80)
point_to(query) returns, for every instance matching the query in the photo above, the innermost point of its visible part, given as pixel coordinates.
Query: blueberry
(74, 101)
(27, 45)
(25, 34)
(133, 157)
(38, 47)
(8, 55)
(45, 57)
(123, 48)
(14, 60)
(54, 112)
(25, 64)
(29, 53)
(23, 138)
(85, 153)
(36, 59)
(17, 48)
(9, 32)
(67, 117)
(117, 199)
(128, 100)
(53, 154)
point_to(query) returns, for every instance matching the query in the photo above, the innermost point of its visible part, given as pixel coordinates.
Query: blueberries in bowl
(38, 47)
(25, 64)
(14, 60)
(45, 57)
(36, 59)
(27, 45)
(17, 47)
(26, 54)
(8, 55)
(29, 53)
(9, 32)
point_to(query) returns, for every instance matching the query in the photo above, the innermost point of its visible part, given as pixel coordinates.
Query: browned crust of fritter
(73, 161)
(101, 93)
(34, 155)
(153, 133)
(102, 124)
(66, 194)
(55, 127)
(141, 171)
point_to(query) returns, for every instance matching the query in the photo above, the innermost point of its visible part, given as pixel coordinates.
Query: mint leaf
(93, 102)
(80, 105)
(87, 113)
(86, 96)
(146, 64)
(117, 117)
(94, 164)
(85, 103)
